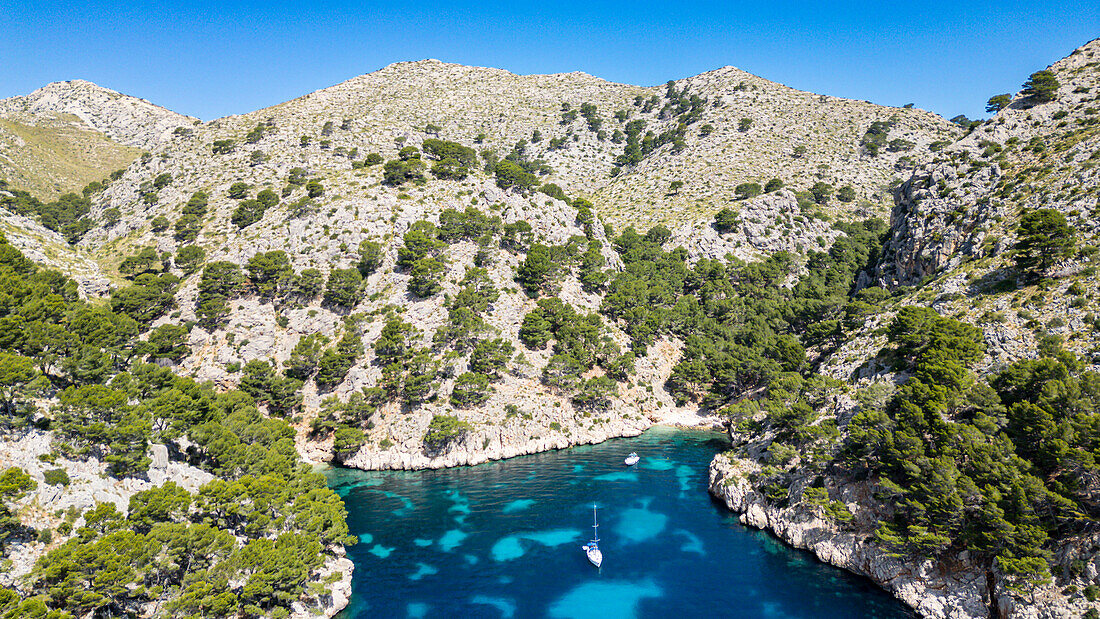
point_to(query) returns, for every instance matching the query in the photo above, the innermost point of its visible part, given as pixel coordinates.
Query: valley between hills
(889, 313)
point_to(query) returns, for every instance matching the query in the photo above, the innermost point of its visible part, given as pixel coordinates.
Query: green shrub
(425, 277)
(535, 271)
(189, 258)
(821, 192)
(726, 220)
(444, 429)
(370, 257)
(747, 190)
(196, 204)
(54, 477)
(222, 147)
(1041, 86)
(187, 228)
(344, 288)
(470, 389)
(239, 190)
(509, 174)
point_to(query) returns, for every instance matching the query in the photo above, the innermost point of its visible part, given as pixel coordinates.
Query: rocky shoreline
(467, 454)
(502, 446)
(945, 589)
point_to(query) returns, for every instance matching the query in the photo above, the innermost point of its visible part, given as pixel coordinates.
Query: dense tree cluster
(246, 544)
(741, 328)
(66, 215)
(996, 468)
(580, 343)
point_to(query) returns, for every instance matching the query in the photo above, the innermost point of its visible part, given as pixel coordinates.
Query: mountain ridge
(405, 274)
(501, 94)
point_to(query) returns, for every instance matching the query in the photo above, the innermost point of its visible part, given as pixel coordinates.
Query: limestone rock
(125, 119)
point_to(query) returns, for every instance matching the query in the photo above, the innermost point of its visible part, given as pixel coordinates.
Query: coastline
(502, 446)
(956, 587)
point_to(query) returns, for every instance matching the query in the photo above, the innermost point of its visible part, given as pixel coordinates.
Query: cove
(503, 539)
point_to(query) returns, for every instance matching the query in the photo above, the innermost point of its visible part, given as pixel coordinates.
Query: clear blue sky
(211, 59)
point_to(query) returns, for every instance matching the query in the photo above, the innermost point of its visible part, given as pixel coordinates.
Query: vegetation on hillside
(266, 523)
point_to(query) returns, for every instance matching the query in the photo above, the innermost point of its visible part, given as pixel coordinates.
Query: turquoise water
(504, 540)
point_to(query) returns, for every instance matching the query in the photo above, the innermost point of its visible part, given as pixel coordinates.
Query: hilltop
(435, 265)
(65, 135)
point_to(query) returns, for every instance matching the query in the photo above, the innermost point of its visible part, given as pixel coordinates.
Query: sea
(504, 539)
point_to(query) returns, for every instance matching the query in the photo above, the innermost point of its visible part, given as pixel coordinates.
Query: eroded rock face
(963, 205)
(125, 119)
(766, 224)
(960, 587)
(936, 224)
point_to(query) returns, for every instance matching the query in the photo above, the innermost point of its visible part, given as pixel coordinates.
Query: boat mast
(595, 527)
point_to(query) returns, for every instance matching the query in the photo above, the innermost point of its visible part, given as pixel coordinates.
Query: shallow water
(504, 540)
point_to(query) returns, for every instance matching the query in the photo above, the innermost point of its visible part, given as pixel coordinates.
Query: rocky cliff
(299, 178)
(950, 588)
(962, 205)
(125, 119)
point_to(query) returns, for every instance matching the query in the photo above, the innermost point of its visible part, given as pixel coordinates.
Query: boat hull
(595, 557)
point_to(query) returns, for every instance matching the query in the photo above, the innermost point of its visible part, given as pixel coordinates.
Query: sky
(212, 59)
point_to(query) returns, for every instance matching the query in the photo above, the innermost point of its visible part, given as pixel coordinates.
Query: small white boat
(632, 459)
(592, 548)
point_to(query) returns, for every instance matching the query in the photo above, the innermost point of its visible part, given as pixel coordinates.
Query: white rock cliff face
(955, 211)
(954, 588)
(125, 119)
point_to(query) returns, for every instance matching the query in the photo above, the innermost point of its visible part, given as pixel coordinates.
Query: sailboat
(592, 548)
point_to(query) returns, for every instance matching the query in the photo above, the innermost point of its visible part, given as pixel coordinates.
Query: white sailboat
(632, 459)
(592, 548)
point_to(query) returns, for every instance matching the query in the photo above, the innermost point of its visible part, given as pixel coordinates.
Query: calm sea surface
(504, 540)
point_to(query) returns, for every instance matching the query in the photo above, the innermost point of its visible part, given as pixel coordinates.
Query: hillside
(997, 236)
(52, 154)
(435, 265)
(65, 135)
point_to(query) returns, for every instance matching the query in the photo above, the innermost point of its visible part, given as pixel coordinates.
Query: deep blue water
(504, 540)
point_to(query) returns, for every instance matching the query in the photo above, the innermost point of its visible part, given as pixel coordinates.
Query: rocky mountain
(65, 135)
(435, 265)
(122, 118)
(405, 105)
(960, 242)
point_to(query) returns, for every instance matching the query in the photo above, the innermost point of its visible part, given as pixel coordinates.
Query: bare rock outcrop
(960, 587)
(125, 119)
